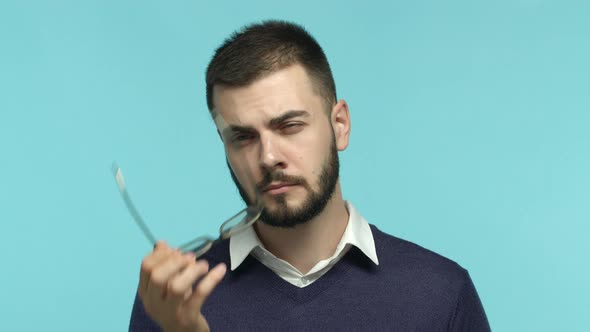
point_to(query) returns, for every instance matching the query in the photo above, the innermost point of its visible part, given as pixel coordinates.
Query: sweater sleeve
(469, 313)
(140, 320)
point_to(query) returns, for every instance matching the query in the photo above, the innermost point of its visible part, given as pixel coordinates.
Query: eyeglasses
(199, 246)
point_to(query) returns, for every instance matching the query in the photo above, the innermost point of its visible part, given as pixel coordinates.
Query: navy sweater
(412, 289)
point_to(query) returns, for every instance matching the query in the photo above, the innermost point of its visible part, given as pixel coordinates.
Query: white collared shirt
(357, 233)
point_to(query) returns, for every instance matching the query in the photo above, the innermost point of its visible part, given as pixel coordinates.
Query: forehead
(264, 99)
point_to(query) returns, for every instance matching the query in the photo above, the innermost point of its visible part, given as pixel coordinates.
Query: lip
(278, 188)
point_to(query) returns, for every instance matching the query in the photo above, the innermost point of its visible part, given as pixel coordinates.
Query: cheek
(242, 169)
(308, 161)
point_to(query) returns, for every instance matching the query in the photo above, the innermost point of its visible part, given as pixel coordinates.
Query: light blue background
(470, 137)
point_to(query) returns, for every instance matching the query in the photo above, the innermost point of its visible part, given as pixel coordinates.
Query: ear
(340, 119)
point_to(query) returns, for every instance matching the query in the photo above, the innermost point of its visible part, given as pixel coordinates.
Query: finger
(150, 261)
(162, 273)
(160, 252)
(181, 286)
(206, 286)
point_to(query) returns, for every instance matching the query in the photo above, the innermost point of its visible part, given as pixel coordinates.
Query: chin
(284, 202)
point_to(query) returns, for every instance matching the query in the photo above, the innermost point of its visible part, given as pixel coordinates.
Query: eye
(292, 127)
(240, 139)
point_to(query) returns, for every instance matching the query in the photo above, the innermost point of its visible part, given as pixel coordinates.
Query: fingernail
(222, 268)
(205, 263)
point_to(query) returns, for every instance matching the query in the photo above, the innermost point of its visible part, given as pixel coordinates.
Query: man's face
(279, 141)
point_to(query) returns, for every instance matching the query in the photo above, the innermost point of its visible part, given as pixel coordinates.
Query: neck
(306, 244)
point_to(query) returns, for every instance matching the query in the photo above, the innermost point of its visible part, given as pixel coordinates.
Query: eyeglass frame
(207, 241)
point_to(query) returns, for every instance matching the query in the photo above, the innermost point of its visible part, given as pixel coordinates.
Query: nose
(270, 154)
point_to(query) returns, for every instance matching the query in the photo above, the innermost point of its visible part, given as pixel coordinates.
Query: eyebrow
(272, 123)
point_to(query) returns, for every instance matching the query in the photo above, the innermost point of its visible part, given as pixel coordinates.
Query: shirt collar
(357, 233)
(241, 244)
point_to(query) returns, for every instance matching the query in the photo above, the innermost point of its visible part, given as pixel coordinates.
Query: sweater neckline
(300, 295)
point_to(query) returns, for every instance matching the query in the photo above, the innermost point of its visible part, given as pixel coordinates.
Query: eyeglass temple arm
(130, 206)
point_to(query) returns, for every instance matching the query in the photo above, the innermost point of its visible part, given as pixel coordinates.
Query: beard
(314, 203)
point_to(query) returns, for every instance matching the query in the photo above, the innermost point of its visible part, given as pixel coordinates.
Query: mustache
(270, 177)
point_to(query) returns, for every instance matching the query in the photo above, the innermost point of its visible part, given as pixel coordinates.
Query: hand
(166, 288)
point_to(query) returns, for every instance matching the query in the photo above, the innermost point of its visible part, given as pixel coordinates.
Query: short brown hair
(260, 49)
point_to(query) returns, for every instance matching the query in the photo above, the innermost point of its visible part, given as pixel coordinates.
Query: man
(311, 262)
